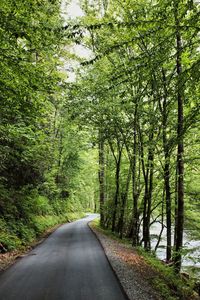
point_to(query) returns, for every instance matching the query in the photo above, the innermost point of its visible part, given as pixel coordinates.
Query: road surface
(69, 265)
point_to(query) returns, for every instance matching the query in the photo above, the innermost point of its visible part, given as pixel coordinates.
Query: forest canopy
(140, 91)
(124, 132)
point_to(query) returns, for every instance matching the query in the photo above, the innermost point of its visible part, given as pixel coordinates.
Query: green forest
(122, 138)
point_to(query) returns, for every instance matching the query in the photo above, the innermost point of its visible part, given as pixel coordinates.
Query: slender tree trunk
(151, 166)
(101, 179)
(148, 179)
(168, 208)
(146, 234)
(117, 159)
(176, 205)
(60, 151)
(162, 222)
(166, 170)
(147, 202)
(116, 198)
(135, 230)
(124, 197)
(180, 150)
(135, 238)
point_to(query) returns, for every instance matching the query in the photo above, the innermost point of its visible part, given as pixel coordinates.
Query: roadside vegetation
(18, 233)
(162, 278)
(42, 153)
(121, 138)
(140, 93)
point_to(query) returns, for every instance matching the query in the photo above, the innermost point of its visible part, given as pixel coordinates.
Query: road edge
(115, 273)
(38, 241)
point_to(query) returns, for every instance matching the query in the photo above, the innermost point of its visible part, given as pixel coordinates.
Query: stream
(191, 257)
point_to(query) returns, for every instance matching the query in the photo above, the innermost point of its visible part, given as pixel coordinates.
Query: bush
(9, 240)
(42, 223)
(25, 232)
(42, 206)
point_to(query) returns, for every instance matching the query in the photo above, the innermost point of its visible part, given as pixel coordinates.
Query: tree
(138, 77)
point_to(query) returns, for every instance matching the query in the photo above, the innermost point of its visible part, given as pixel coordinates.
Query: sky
(70, 12)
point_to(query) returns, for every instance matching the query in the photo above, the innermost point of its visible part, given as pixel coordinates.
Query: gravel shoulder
(130, 268)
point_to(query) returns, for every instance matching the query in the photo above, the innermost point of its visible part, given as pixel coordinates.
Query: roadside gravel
(130, 268)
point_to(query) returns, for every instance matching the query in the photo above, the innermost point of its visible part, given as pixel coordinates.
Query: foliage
(168, 284)
(134, 104)
(139, 92)
(39, 146)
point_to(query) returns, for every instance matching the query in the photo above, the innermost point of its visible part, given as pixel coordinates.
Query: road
(69, 265)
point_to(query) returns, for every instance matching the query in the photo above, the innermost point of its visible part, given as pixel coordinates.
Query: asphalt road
(69, 265)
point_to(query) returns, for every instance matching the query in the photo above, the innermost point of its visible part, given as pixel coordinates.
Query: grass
(18, 235)
(169, 285)
(19, 239)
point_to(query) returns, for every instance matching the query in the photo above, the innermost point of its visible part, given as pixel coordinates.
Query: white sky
(70, 12)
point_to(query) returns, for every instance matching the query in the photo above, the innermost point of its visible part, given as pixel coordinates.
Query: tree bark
(148, 180)
(175, 205)
(101, 179)
(124, 197)
(117, 183)
(180, 150)
(166, 170)
(147, 201)
(135, 238)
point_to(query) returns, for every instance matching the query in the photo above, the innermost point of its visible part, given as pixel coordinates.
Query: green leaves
(128, 90)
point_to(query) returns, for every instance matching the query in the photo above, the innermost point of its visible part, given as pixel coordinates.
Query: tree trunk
(166, 170)
(180, 150)
(162, 221)
(148, 180)
(176, 205)
(135, 238)
(147, 202)
(168, 208)
(124, 197)
(117, 178)
(101, 179)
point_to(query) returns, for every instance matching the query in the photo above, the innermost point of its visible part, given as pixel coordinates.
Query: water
(191, 252)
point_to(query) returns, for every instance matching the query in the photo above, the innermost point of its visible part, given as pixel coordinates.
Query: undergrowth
(169, 285)
(17, 233)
